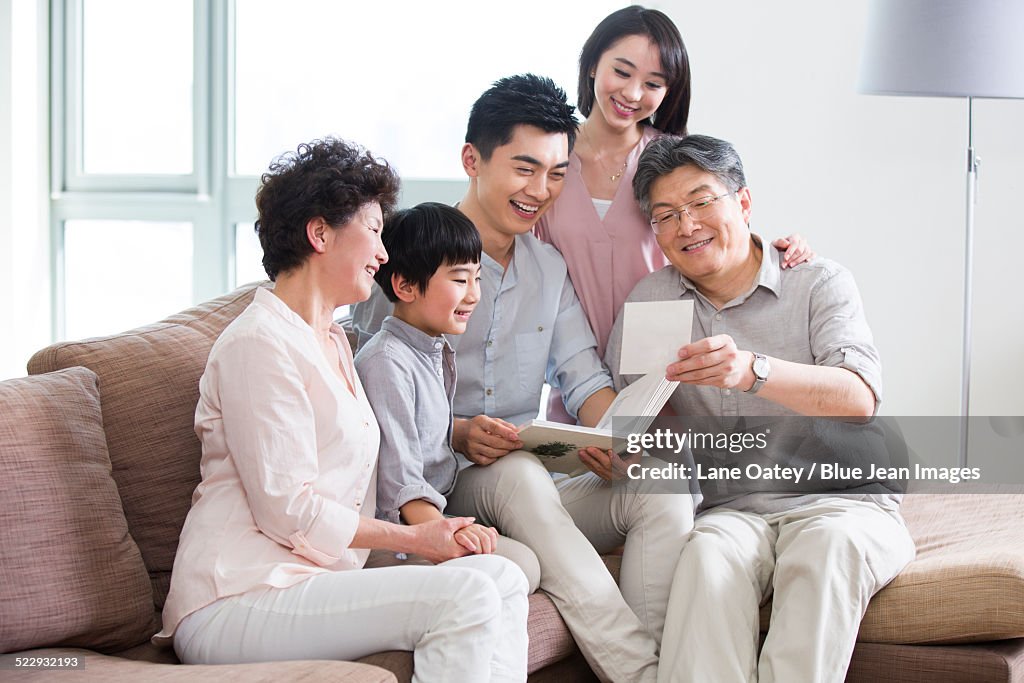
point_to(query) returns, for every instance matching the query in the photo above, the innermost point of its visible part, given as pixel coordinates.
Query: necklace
(611, 176)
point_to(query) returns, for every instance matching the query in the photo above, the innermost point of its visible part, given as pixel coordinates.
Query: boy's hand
(482, 540)
(436, 539)
(484, 439)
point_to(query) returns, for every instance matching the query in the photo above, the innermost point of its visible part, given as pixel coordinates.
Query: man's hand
(482, 540)
(715, 362)
(606, 464)
(484, 439)
(436, 540)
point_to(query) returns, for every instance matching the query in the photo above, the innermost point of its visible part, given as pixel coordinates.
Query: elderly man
(770, 342)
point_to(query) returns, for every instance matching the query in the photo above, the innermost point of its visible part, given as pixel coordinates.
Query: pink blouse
(606, 258)
(288, 465)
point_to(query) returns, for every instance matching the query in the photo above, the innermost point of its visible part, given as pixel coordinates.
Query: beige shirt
(288, 463)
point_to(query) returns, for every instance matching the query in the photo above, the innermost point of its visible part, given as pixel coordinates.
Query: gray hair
(669, 152)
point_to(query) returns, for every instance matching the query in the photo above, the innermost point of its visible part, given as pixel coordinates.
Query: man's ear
(316, 233)
(745, 203)
(404, 290)
(471, 160)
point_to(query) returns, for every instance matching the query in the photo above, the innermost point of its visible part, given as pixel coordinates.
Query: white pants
(824, 561)
(567, 526)
(465, 620)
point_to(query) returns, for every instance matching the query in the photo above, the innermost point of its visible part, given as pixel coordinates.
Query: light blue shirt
(409, 379)
(528, 328)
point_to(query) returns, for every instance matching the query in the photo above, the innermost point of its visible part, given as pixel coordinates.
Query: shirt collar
(265, 297)
(416, 338)
(769, 274)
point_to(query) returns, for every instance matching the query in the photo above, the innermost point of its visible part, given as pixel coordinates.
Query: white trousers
(824, 561)
(464, 619)
(567, 526)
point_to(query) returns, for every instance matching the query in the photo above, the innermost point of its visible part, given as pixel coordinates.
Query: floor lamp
(948, 48)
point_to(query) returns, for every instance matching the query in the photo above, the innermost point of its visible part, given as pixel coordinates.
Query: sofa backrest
(149, 387)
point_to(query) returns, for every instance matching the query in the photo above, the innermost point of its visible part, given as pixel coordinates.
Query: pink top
(606, 258)
(288, 466)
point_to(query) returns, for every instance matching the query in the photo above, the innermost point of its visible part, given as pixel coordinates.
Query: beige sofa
(99, 465)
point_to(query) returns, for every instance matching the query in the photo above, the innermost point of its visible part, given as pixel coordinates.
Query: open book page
(652, 332)
(557, 444)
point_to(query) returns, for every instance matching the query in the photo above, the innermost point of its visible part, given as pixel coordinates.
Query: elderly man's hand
(715, 362)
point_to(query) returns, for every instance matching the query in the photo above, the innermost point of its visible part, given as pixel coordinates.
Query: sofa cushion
(966, 584)
(150, 380)
(71, 574)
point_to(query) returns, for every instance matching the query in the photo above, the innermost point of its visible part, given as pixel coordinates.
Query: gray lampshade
(944, 48)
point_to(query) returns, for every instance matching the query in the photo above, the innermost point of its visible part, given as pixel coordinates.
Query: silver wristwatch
(761, 369)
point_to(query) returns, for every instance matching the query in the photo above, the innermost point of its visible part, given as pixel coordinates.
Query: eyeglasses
(697, 210)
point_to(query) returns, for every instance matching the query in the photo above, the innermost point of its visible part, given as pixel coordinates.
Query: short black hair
(635, 20)
(523, 100)
(331, 179)
(422, 239)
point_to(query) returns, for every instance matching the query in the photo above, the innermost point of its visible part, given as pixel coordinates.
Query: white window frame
(211, 198)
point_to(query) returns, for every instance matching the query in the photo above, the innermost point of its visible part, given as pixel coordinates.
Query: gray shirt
(528, 328)
(809, 314)
(409, 379)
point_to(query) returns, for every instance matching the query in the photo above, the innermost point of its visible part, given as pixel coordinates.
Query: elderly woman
(270, 562)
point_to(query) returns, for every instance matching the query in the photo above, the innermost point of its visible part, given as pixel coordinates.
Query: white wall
(24, 225)
(876, 183)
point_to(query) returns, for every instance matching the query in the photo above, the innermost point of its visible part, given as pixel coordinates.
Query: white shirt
(288, 464)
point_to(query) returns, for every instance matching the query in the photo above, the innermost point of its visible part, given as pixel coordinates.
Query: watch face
(761, 367)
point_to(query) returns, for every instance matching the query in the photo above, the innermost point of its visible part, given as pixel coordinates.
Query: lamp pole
(965, 368)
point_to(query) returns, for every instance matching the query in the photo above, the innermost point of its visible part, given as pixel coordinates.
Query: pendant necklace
(611, 176)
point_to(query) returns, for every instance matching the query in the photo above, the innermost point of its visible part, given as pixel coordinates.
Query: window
(167, 111)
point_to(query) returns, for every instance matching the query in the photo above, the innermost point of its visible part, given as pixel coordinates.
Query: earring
(593, 74)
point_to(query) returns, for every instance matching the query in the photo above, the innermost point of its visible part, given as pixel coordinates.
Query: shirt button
(490, 343)
(437, 345)
(489, 392)
(727, 392)
(718, 316)
(540, 328)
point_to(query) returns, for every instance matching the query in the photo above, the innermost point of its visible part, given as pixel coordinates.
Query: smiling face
(629, 82)
(512, 189)
(718, 247)
(447, 302)
(354, 253)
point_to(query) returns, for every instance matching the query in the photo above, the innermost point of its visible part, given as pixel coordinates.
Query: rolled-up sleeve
(391, 391)
(613, 355)
(573, 365)
(839, 332)
(270, 433)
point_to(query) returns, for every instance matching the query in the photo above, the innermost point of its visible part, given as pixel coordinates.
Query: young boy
(408, 370)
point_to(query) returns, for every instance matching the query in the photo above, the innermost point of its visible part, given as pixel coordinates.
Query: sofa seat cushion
(71, 574)
(102, 669)
(966, 584)
(150, 386)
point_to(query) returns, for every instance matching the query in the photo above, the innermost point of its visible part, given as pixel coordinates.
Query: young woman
(634, 84)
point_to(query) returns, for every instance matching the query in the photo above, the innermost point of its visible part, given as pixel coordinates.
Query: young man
(776, 343)
(432, 276)
(527, 327)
